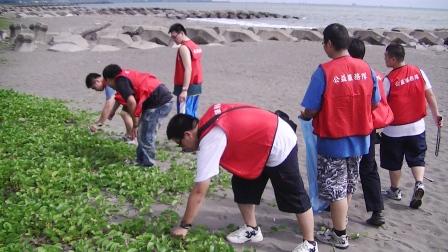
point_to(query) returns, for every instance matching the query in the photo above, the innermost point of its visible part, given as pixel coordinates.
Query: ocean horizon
(311, 15)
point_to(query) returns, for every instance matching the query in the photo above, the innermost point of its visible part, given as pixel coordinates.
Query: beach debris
(239, 35)
(306, 34)
(24, 42)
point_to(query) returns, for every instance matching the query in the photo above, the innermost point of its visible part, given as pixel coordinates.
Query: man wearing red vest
(148, 101)
(408, 90)
(96, 82)
(339, 99)
(188, 72)
(368, 169)
(254, 145)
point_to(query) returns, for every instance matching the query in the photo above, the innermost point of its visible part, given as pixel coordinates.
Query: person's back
(408, 90)
(339, 99)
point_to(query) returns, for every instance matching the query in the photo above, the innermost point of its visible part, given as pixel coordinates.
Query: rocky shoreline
(100, 36)
(53, 11)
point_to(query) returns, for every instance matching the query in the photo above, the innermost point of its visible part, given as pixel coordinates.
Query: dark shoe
(419, 191)
(377, 219)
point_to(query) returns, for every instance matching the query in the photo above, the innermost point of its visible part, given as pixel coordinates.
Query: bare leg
(339, 214)
(306, 224)
(127, 119)
(248, 213)
(418, 172)
(395, 178)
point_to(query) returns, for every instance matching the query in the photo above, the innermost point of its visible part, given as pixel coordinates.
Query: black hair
(396, 51)
(177, 28)
(111, 71)
(357, 48)
(179, 124)
(338, 35)
(90, 78)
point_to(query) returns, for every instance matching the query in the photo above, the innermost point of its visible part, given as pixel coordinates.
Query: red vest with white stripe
(143, 85)
(407, 94)
(250, 134)
(346, 108)
(196, 68)
(382, 115)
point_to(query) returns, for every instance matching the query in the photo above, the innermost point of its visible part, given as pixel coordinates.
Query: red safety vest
(346, 103)
(196, 68)
(120, 99)
(250, 134)
(143, 84)
(407, 94)
(382, 115)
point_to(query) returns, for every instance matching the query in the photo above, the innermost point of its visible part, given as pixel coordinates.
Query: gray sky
(434, 4)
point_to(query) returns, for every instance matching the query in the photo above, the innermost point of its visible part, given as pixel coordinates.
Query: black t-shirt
(159, 96)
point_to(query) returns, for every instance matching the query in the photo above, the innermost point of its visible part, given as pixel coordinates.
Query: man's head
(336, 39)
(110, 72)
(177, 33)
(357, 48)
(394, 55)
(95, 81)
(183, 129)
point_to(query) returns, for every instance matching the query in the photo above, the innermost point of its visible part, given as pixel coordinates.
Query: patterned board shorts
(337, 177)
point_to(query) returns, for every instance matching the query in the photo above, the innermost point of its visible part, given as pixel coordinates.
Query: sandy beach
(273, 75)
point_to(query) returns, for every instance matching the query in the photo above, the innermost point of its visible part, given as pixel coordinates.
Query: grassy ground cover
(56, 181)
(4, 23)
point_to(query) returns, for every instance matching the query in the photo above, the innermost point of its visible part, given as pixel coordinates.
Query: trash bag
(309, 138)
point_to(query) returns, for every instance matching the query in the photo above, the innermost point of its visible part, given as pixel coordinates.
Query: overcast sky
(434, 4)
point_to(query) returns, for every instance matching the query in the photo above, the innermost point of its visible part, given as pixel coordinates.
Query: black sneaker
(419, 191)
(377, 219)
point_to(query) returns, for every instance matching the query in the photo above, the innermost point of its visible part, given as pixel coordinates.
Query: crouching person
(254, 145)
(148, 101)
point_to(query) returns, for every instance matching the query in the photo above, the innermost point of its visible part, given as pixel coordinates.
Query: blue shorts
(191, 105)
(393, 149)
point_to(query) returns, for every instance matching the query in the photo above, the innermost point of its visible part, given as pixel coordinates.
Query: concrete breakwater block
(204, 35)
(372, 37)
(400, 37)
(275, 34)
(305, 34)
(24, 42)
(239, 35)
(426, 37)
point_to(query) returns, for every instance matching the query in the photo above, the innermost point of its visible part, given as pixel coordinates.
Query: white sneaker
(245, 234)
(306, 247)
(329, 237)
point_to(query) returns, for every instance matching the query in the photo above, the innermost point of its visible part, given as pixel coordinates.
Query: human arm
(194, 203)
(313, 96)
(113, 110)
(432, 102)
(186, 61)
(211, 148)
(376, 96)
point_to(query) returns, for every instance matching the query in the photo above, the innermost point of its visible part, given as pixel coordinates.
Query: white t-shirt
(410, 129)
(212, 146)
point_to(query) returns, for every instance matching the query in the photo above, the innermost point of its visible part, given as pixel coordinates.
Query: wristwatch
(185, 226)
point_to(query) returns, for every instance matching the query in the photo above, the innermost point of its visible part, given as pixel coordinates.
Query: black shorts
(392, 150)
(288, 186)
